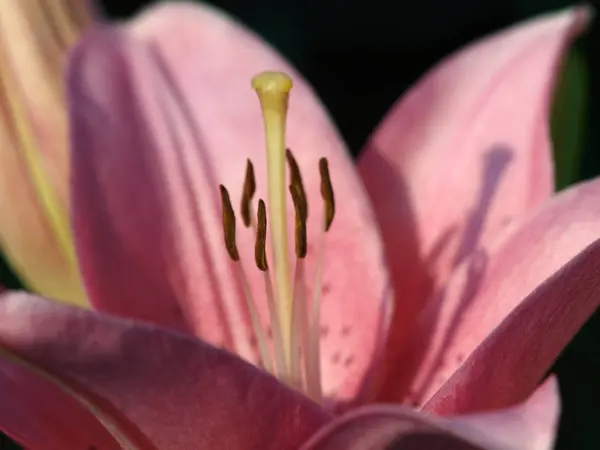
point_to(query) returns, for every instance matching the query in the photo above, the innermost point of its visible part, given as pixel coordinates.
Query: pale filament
(275, 327)
(312, 356)
(301, 326)
(259, 331)
(297, 316)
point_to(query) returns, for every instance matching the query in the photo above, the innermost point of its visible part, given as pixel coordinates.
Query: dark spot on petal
(335, 358)
(505, 221)
(326, 288)
(269, 332)
(324, 331)
(253, 341)
(346, 330)
(348, 361)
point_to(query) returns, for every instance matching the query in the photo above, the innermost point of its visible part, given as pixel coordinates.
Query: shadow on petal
(398, 377)
(464, 153)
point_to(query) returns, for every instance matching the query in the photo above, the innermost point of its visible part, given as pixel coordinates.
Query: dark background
(361, 56)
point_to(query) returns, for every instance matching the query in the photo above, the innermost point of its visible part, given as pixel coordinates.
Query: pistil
(273, 89)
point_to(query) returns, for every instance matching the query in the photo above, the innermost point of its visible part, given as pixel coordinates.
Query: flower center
(294, 356)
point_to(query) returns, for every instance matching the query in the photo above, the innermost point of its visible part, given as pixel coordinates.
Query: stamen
(296, 181)
(313, 372)
(300, 205)
(228, 224)
(296, 177)
(248, 193)
(273, 89)
(300, 315)
(231, 245)
(275, 327)
(260, 257)
(327, 193)
(260, 254)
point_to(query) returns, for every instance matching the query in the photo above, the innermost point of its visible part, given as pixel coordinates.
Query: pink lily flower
(457, 306)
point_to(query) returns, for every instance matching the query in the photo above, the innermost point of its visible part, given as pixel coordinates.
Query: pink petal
(38, 414)
(531, 425)
(465, 152)
(156, 128)
(490, 286)
(178, 392)
(520, 349)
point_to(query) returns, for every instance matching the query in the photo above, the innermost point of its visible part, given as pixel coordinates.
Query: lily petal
(38, 414)
(531, 425)
(34, 226)
(495, 299)
(146, 195)
(179, 393)
(465, 152)
(527, 342)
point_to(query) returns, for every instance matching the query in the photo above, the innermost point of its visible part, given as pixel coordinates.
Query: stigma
(292, 354)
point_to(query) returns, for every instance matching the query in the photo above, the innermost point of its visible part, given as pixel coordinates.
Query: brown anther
(228, 224)
(293, 165)
(299, 200)
(296, 181)
(260, 252)
(248, 193)
(327, 193)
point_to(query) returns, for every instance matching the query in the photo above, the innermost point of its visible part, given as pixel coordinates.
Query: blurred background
(362, 56)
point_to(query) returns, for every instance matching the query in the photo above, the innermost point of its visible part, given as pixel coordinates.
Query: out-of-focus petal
(34, 228)
(465, 152)
(40, 412)
(179, 393)
(531, 425)
(158, 125)
(499, 284)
